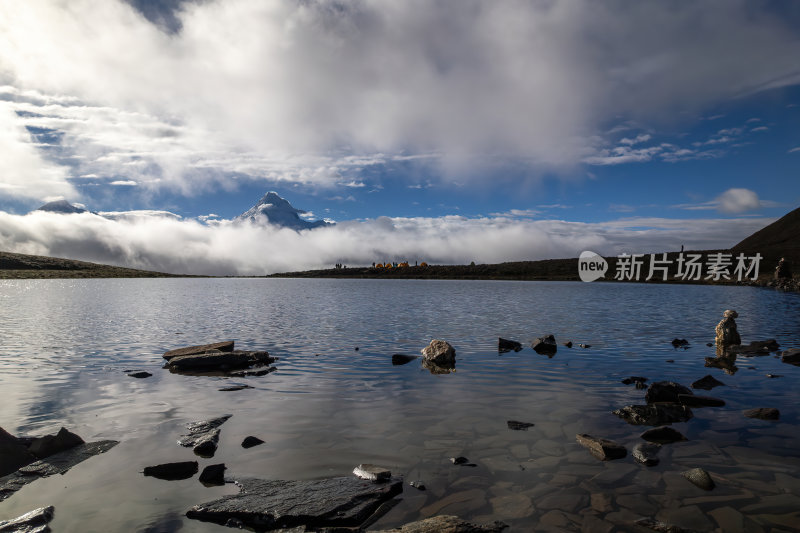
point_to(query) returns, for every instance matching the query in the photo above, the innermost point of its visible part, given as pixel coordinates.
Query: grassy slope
(22, 266)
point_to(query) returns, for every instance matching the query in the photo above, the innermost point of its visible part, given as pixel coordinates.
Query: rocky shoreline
(354, 503)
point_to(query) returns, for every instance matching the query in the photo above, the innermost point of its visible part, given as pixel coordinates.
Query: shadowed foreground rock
(663, 527)
(707, 382)
(764, 413)
(791, 356)
(267, 504)
(700, 401)
(507, 345)
(646, 453)
(665, 391)
(13, 455)
(445, 524)
(218, 360)
(55, 464)
(663, 435)
(699, 477)
(654, 414)
(224, 346)
(34, 522)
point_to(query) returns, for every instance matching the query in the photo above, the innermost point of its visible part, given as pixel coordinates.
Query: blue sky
(660, 121)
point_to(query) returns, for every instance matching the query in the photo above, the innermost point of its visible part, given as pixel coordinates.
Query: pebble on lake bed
(764, 413)
(603, 449)
(699, 477)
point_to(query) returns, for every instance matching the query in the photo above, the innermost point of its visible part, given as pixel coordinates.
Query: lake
(65, 344)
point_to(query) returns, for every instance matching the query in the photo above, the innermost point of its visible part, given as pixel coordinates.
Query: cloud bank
(157, 241)
(311, 92)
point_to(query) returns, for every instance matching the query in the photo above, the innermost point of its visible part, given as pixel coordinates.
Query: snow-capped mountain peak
(273, 209)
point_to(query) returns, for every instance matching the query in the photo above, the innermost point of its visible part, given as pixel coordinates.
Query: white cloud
(288, 91)
(732, 201)
(797, 149)
(123, 183)
(164, 242)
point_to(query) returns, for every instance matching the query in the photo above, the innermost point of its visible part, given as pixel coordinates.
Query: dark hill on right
(779, 239)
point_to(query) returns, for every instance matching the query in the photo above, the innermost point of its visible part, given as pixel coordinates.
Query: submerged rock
(655, 414)
(372, 472)
(139, 375)
(172, 471)
(700, 401)
(791, 356)
(224, 346)
(726, 331)
(699, 477)
(638, 380)
(213, 475)
(33, 522)
(677, 343)
(58, 463)
(519, 426)
(461, 461)
(251, 441)
(756, 348)
(440, 353)
(13, 455)
(402, 359)
(315, 504)
(661, 527)
(445, 524)
(603, 449)
(725, 362)
(419, 485)
(203, 436)
(48, 445)
(646, 453)
(665, 391)
(764, 413)
(545, 345)
(663, 435)
(707, 382)
(506, 345)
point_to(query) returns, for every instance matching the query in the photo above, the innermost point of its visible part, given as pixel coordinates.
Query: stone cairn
(727, 334)
(783, 270)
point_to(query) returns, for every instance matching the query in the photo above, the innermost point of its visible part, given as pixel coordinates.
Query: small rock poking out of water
(661, 527)
(139, 375)
(639, 381)
(545, 345)
(603, 449)
(506, 345)
(791, 356)
(700, 401)
(251, 441)
(33, 522)
(568, 344)
(213, 475)
(707, 382)
(440, 353)
(519, 426)
(680, 343)
(665, 391)
(372, 472)
(48, 445)
(461, 461)
(764, 413)
(203, 436)
(419, 485)
(772, 376)
(663, 435)
(646, 453)
(655, 414)
(233, 388)
(224, 346)
(585, 345)
(699, 477)
(402, 359)
(172, 471)
(726, 331)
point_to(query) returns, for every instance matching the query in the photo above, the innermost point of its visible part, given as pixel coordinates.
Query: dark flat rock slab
(545, 345)
(603, 449)
(49, 445)
(791, 356)
(273, 504)
(663, 435)
(519, 426)
(654, 414)
(139, 375)
(707, 382)
(700, 401)
(234, 388)
(203, 436)
(224, 346)
(219, 360)
(372, 472)
(172, 471)
(764, 413)
(445, 524)
(55, 464)
(33, 522)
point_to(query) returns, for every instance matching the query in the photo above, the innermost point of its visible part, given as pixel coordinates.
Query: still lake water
(64, 345)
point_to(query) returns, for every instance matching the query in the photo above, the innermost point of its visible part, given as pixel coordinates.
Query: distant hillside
(22, 266)
(779, 239)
